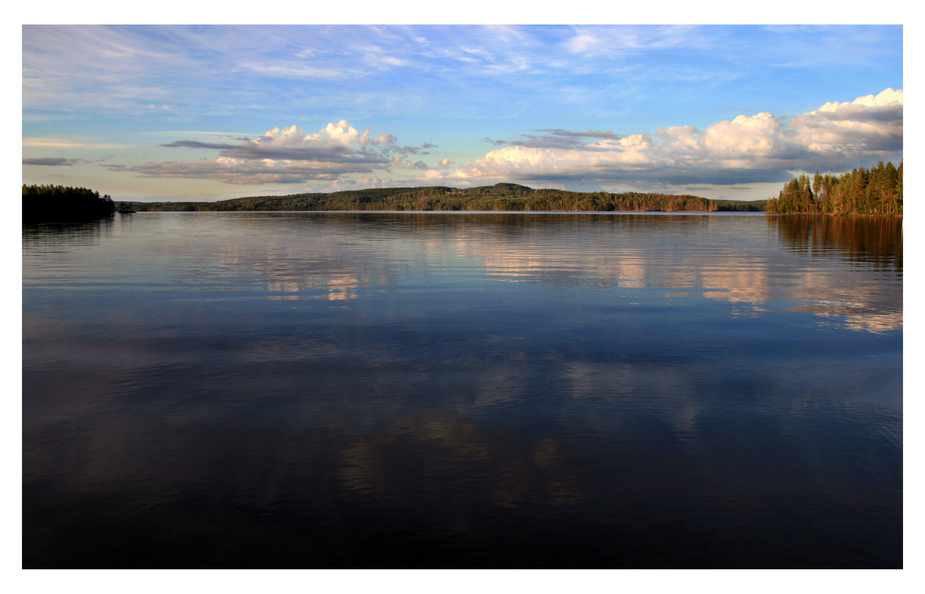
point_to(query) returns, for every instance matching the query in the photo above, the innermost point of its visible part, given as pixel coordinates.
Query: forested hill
(506, 196)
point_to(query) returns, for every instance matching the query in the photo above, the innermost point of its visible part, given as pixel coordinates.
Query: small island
(48, 203)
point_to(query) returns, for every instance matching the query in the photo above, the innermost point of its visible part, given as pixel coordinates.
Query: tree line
(499, 197)
(42, 203)
(875, 191)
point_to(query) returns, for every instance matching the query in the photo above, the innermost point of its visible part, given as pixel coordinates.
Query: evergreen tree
(861, 191)
(59, 203)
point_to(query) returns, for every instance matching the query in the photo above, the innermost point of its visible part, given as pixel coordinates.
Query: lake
(463, 390)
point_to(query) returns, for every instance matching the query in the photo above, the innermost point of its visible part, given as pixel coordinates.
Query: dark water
(352, 390)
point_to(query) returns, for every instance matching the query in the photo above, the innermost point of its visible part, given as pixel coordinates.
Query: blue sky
(214, 112)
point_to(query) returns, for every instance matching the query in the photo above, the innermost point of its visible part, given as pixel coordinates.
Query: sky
(204, 113)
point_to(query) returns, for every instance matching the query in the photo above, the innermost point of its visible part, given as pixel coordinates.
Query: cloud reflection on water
(607, 251)
(406, 386)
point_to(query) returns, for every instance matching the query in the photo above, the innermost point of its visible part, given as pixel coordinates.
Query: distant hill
(504, 196)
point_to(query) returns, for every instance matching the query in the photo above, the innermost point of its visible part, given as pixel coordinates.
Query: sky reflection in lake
(462, 390)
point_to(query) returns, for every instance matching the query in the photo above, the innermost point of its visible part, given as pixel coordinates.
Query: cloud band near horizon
(761, 148)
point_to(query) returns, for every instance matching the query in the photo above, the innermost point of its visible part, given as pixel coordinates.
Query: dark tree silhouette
(60, 203)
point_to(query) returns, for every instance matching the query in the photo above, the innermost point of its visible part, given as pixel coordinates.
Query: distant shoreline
(503, 197)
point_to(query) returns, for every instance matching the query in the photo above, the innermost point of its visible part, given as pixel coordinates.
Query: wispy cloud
(616, 42)
(291, 70)
(50, 162)
(203, 69)
(562, 139)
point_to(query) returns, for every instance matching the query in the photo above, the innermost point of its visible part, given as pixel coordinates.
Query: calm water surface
(462, 390)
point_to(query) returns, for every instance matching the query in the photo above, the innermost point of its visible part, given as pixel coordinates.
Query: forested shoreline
(500, 197)
(875, 191)
(50, 203)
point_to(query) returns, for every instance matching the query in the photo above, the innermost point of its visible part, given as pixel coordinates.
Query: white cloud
(617, 41)
(871, 121)
(384, 139)
(291, 70)
(282, 155)
(582, 43)
(333, 136)
(290, 155)
(755, 136)
(746, 149)
(886, 97)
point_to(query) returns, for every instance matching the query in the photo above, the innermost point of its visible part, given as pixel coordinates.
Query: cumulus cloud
(536, 160)
(284, 155)
(746, 149)
(290, 155)
(871, 122)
